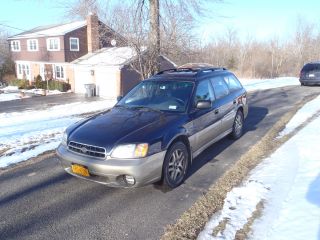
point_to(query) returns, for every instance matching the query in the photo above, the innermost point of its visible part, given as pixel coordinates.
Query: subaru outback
(155, 132)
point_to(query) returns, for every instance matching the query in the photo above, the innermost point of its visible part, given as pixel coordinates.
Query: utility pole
(155, 31)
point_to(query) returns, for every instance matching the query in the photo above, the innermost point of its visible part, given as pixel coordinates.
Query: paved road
(40, 201)
(43, 102)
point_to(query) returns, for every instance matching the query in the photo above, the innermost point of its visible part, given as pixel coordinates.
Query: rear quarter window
(220, 87)
(232, 82)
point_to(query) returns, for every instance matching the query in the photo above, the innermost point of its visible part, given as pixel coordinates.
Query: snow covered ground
(13, 93)
(288, 184)
(262, 84)
(27, 134)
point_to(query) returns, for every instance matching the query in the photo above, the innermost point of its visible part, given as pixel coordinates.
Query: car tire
(237, 128)
(175, 165)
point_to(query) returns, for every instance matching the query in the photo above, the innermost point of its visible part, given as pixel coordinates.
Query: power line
(8, 26)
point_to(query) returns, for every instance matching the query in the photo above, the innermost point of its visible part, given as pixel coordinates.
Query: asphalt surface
(43, 102)
(40, 201)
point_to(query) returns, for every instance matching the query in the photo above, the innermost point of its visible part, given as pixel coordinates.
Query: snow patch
(289, 184)
(303, 114)
(263, 84)
(26, 134)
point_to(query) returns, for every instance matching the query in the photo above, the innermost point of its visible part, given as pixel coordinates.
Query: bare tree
(6, 64)
(79, 9)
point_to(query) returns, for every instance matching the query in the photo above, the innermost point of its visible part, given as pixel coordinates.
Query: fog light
(129, 179)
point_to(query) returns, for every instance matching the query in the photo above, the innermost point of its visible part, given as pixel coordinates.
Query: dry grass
(221, 226)
(243, 233)
(194, 219)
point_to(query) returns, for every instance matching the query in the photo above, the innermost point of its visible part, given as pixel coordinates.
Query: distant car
(156, 130)
(310, 74)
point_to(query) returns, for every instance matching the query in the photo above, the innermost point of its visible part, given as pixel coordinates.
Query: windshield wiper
(123, 106)
(147, 109)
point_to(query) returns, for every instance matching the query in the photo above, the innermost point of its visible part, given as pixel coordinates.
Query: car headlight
(130, 151)
(64, 139)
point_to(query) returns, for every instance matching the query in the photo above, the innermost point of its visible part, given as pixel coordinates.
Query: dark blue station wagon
(156, 130)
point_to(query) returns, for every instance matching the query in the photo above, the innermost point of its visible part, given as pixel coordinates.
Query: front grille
(85, 149)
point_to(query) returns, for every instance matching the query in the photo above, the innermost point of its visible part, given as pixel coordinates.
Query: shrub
(20, 83)
(52, 84)
(57, 85)
(38, 82)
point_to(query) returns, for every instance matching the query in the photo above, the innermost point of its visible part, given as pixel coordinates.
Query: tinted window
(232, 82)
(220, 87)
(204, 91)
(159, 95)
(311, 67)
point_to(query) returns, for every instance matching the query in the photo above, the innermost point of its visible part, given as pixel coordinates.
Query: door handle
(216, 111)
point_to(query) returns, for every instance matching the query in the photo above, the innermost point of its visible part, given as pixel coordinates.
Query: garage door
(82, 75)
(107, 82)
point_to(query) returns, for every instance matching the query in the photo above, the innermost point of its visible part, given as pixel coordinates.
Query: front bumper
(111, 171)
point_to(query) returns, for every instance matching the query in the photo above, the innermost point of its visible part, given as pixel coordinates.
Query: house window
(59, 71)
(15, 46)
(32, 44)
(74, 44)
(53, 44)
(23, 71)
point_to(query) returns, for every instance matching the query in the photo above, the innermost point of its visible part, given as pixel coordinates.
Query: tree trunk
(155, 33)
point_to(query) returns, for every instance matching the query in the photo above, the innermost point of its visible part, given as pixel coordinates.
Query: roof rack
(197, 71)
(173, 70)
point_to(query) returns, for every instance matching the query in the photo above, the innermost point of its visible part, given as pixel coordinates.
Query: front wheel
(175, 165)
(237, 128)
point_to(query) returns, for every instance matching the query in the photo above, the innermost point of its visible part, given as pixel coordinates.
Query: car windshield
(170, 96)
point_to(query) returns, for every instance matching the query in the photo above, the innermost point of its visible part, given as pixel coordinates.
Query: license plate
(311, 75)
(79, 169)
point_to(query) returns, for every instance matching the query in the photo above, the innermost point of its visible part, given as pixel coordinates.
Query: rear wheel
(175, 165)
(237, 128)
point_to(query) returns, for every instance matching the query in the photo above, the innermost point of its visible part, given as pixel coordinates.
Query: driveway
(43, 102)
(41, 201)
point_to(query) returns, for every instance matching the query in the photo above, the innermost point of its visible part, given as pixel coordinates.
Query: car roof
(190, 74)
(315, 62)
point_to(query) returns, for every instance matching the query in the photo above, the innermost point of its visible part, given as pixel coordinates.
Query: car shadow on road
(72, 200)
(255, 116)
(34, 188)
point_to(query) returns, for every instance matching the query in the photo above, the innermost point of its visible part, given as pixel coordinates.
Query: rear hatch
(310, 71)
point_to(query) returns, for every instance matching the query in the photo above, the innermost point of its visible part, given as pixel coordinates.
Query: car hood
(120, 125)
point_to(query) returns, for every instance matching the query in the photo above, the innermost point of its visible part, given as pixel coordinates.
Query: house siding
(81, 34)
(70, 76)
(42, 55)
(129, 79)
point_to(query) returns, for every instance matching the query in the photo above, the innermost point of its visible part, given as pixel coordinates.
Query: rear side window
(232, 82)
(311, 67)
(204, 91)
(220, 87)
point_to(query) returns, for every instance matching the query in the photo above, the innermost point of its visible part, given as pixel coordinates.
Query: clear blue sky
(262, 19)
